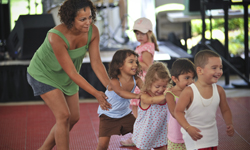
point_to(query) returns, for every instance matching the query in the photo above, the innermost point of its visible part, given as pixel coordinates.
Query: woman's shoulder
(57, 34)
(60, 32)
(64, 30)
(61, 28)
(95, 30)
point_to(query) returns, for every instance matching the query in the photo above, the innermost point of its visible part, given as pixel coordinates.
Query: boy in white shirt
(196, 109)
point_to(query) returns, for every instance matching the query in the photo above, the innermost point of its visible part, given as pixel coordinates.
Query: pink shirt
(147, 47)
(174, 128)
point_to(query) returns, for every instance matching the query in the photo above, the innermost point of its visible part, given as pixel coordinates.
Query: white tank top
(202, 115)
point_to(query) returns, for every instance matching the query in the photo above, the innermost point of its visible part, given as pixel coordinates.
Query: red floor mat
(26, 127)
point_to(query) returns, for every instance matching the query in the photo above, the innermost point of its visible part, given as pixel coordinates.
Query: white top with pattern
(150, 127)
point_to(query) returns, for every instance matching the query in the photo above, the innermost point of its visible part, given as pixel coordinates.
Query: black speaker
(4, 21)
(28, 34)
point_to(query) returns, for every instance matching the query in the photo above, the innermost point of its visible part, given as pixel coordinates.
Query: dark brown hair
(118, 61)
(182, 66)
(201, 58)
(69, 9)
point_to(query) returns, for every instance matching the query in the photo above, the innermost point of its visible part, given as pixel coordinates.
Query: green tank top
(45, 68)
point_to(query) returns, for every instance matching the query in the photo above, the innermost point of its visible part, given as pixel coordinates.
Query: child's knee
(102, 146)
(103, 143)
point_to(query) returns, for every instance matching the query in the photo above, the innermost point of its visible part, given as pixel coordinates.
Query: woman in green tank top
(56, 64)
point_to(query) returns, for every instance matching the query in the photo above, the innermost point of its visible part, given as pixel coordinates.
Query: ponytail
(154, 40)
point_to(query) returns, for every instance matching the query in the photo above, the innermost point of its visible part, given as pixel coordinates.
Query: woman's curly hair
(118, 61)
(69, 9)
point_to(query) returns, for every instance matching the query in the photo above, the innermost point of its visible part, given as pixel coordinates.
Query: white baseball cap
(143, 25)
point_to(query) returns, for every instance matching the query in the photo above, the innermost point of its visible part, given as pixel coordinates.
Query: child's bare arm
(147, 59)
(147, 99)
(225, 111)
(139, 82)
(115, 85)
(183, 102)
(171, 103)
(181, 105)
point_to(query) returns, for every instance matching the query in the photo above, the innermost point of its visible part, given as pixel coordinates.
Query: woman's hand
(102, 100)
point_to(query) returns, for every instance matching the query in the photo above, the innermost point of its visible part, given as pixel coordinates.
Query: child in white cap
(148, 45)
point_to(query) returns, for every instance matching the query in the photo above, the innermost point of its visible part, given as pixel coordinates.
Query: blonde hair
(152, 38)
(156, 71)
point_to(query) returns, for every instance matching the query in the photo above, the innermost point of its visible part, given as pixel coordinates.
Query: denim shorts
(38, 87)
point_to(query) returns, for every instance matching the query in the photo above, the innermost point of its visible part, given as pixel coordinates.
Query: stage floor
(25, 125)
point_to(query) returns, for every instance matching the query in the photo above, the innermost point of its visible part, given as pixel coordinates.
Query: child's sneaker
(127, 142)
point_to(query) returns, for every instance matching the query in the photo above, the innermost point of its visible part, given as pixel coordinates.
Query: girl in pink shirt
(148, 45)
(183, 74)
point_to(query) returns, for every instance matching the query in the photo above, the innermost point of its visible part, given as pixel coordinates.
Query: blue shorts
(38, 87)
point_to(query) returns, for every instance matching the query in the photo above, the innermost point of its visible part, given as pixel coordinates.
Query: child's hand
(167, 89)
(230, 130)
(194, 133)
(138, 96)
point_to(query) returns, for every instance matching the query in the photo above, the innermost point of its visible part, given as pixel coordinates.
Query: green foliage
(235, 27)
(236, 43)
(234, 23)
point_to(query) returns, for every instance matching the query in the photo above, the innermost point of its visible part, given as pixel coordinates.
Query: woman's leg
(103, 143)
(59, 134)
(73, 104)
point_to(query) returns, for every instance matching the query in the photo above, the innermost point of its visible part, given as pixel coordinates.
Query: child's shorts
(176, 146)
(209, 148)
(116, 126)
